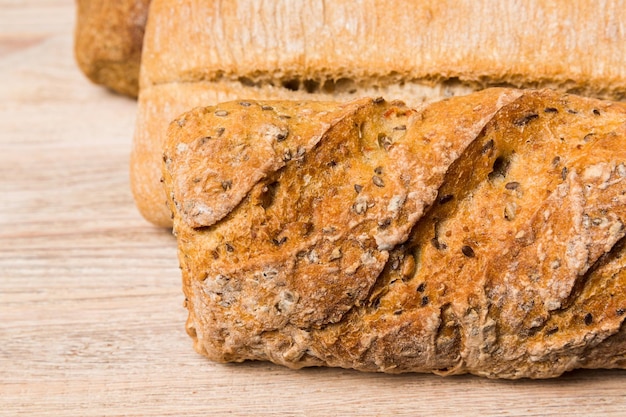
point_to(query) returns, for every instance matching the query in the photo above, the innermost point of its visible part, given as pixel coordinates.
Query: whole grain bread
(481, 234)
(108, 41)
(201, 53)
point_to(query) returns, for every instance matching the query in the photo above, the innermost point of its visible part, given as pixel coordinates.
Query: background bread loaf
(108, 42)
(480, 234)
(201, 53)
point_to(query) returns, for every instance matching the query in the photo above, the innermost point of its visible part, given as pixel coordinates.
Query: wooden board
(91, 316)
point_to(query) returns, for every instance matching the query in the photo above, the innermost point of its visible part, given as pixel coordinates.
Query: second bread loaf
(201, 53)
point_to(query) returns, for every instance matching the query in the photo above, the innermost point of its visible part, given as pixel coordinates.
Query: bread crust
(528, 43)
(203, 53)
(109, 40)
(481, 234)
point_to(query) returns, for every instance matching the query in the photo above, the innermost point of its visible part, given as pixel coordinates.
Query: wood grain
(91, 317)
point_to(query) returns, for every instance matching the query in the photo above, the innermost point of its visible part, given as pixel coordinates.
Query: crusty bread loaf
(108, 42)
(200, 53)
(481, 234)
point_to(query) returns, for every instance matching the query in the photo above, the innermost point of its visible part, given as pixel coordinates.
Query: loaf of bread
(108, 41)
(481, 234)
(199, 53)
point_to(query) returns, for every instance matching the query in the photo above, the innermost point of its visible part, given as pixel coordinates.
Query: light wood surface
(91, 316)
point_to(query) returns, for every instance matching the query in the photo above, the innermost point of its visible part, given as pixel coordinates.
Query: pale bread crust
(553, 44)
(202, 53)
(481, 234)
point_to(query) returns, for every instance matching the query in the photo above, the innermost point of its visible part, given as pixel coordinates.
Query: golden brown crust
(481, 234)
(109, 40)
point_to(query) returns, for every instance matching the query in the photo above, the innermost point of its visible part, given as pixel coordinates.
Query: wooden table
(91, 316)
